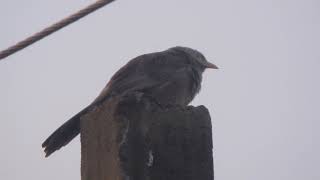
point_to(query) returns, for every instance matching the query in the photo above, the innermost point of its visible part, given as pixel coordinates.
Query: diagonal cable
(53, 28)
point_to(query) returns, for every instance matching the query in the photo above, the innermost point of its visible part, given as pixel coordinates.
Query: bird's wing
(142, 72)
(179, 89)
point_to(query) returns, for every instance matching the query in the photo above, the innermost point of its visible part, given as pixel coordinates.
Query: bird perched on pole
(170, 77)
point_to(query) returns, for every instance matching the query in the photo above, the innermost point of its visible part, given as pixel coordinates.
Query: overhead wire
(53, 28)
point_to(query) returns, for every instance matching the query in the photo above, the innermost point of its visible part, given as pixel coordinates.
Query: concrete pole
(134, 138)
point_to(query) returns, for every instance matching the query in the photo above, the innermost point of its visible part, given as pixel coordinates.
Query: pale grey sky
(264, 100)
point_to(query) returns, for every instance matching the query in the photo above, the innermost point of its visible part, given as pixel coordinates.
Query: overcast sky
(264, 100)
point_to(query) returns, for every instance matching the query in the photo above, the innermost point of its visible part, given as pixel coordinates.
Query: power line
(53, 28)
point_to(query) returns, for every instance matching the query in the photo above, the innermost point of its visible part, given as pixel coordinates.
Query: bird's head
(196, 58)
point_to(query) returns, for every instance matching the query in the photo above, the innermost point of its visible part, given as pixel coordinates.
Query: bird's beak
(211, 66)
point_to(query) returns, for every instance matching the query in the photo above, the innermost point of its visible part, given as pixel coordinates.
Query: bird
(170, 77)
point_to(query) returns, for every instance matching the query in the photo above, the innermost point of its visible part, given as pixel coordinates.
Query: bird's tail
(64, 134)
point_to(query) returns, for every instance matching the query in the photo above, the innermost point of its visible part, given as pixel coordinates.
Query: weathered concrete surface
(99, 146)
(134, 138)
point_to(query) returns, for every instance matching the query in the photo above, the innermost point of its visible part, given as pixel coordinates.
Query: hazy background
(264, 100)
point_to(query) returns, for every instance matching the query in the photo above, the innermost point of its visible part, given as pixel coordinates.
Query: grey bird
(170, 77)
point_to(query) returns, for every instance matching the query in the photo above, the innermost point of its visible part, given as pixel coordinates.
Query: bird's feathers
(170, 77)
(64, 134)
